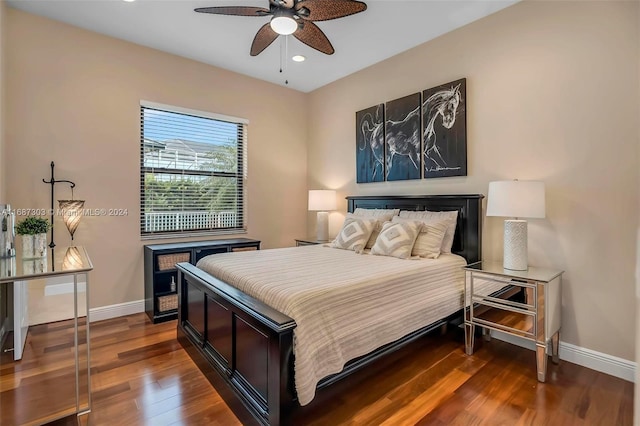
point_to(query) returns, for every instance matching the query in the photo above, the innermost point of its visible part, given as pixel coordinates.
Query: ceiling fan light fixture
(298, 58)
(283, 24)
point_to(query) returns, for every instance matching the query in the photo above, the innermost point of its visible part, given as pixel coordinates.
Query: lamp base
(515, 245)
(322, 226)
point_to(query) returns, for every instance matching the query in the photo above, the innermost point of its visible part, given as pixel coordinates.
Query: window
(192, 172)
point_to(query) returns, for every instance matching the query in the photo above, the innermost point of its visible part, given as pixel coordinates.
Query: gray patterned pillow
(354, 234)
(396, 239)
(381, 215)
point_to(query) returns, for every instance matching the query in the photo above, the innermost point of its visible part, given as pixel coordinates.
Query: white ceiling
(385, 29)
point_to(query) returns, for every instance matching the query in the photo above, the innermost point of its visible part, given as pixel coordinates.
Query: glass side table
(61, 385)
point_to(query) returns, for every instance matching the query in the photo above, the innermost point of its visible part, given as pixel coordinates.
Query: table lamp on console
(517, 199)
(322, 201)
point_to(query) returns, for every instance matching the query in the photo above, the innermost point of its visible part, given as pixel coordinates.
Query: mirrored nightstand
(534, 315)
(310, 241)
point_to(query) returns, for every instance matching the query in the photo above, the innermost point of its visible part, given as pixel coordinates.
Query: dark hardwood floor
(142, 376)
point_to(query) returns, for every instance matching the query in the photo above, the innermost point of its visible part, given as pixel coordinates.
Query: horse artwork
(444, 130)
(402, 138)
(370, 144)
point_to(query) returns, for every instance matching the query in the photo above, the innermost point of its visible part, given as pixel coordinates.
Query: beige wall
(3, 31)
(636, 395)
(74, 98)
(552, 95)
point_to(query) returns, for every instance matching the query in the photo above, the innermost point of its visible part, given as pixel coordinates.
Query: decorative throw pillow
(429, 241)
(354, 234)
(396, 239)
(381, 215)
(450, 217)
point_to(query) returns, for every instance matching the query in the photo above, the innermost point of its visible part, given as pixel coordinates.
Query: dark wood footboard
(247, 342)
(250, 346)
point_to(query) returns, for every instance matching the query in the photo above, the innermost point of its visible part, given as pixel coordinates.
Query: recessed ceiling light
(298, 58)
(129, 1)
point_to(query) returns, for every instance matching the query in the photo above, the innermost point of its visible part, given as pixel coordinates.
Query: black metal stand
(52, 182)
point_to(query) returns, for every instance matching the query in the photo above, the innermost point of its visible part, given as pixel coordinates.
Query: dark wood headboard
(467, 241)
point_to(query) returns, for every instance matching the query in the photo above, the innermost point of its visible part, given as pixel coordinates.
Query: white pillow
(354, 234)
(382, 215)
(429, 241)
(396, 239)
(451, 217)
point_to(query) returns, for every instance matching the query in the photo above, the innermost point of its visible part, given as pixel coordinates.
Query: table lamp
(322, 200)
(517, 199)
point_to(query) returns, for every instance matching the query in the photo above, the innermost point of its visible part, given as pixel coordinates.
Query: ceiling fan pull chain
(280, 55)
(283, 55)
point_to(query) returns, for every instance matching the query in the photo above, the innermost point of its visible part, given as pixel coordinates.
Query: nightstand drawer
(505, 318)
(484, 288)
(504, 280)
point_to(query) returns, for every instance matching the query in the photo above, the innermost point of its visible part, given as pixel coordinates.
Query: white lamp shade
(516, 198)
(284, 25)
(322, 200)
(71, 213)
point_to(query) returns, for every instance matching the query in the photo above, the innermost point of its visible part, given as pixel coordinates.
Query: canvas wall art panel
(444, 130)
(370, 144)
(402, 138)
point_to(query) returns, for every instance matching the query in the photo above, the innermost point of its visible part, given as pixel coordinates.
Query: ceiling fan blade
(235, 10)
(313, 36)
(264, 37)
(324, 10)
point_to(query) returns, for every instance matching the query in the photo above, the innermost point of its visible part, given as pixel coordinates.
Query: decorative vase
(34, 246)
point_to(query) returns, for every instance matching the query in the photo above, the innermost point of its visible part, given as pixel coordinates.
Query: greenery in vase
(32, 226)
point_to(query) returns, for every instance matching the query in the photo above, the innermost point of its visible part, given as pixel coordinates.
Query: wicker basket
(167, 303)
(243, 249)
(167, 262)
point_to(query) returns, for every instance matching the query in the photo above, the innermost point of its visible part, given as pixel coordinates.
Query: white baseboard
(594, 360)
(114, 311)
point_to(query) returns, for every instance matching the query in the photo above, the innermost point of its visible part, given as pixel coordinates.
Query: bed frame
(245, 347)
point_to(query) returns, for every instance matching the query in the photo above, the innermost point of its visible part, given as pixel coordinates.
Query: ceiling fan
(293, 17)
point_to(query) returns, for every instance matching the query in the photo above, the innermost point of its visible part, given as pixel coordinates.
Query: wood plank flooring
(142, 376)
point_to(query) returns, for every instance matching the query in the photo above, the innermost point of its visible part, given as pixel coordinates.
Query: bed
(246, 347)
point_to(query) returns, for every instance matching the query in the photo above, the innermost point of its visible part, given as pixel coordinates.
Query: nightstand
(521, 303)
(309, 241)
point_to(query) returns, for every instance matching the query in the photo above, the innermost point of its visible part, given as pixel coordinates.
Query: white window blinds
(192, 172)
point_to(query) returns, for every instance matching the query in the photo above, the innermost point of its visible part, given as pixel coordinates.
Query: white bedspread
(345, 305)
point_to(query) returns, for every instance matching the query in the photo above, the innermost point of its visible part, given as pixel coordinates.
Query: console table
(17, 272)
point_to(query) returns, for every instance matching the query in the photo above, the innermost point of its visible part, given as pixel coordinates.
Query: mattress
(345, 305)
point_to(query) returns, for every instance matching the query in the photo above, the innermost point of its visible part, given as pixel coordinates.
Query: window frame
(240, 175)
